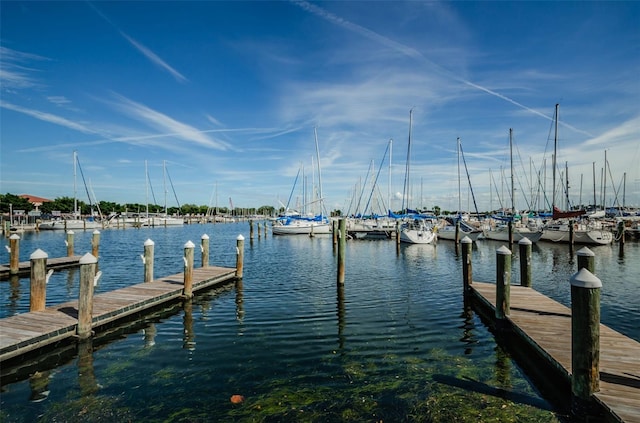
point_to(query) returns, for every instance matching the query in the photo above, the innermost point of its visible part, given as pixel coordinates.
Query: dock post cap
(466, 240)
(38, 254)
(205, 236)
(525, 241)
(70, 232)
(585, 252)
(240, 238)
(88, 259)
(504, 251)
(96, 232)
(585, 279)
(14, 236)
(189, 244)
(148, 242)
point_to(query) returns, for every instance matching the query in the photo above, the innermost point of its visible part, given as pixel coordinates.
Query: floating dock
(545, 326)
(30, 331)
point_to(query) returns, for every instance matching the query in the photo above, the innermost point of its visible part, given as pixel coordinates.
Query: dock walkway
(546, 325)
(24, 267)
(26, 332)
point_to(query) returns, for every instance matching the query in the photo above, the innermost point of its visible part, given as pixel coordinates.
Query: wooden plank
(29, 331)
(546, 325)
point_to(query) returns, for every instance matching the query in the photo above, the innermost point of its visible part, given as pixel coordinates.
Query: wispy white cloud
(13, 72)
(164, 123)
(48, 117)
(154, 58)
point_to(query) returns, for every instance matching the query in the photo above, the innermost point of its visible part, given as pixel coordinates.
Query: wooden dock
(545, 325)
(26, 332)
(24, 267)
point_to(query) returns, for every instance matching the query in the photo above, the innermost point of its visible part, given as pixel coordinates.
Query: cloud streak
(47, 117)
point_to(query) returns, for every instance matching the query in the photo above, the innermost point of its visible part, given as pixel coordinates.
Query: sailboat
(559, 229)
(447, 227)
(298, 224)
(75, 222)
(418, 229)
(500, 231)
(164, 219)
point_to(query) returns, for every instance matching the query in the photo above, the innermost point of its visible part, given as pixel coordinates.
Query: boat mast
(75, 188)
(555, 151)
(405, 190)
(146, 186)
(459, 190)
(315, 135)
(389, 183)
(513, 207)
(164, 185)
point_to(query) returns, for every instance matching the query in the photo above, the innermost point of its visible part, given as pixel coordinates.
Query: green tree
(8, 201)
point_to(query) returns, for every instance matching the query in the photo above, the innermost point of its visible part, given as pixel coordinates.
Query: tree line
(65, 205)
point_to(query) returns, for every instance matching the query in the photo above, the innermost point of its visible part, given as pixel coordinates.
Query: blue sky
(229, 93)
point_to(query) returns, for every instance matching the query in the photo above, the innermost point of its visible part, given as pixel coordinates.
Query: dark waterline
(394, 344)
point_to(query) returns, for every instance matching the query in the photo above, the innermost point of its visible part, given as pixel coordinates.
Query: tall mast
(164, 184)
(405, 191)
(315, 134)
(75, 188)
(595, 204)
(146, 186)
(555, 152)
(459, 190)
(513, 207)
(389, 185)
(604, 185)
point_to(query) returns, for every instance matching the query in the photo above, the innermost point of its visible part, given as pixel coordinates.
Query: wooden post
(147, 260)
(620, 234)
(586, 259)
(525, 261)
(311, 231)
(265, 229)
(14, 253)
(467, 273)
(69, 243)
(585, 340)
(204, 247)
(342, 246)
(187, 291)
(397, 234)
(572, 235)
(85, 298)
(510, 225)
(334, 232)
(259, 234)
(239, 256)
(250, 229)
(7, 228)
(503, 281)
(38, 290)
(95, 243)
(457, 232)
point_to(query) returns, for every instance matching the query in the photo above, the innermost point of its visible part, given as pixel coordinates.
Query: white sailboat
(560, 228)
(164, 219)
(447, 227)
(500, 231)
(297, 224)
(417, 230)
(75, 222)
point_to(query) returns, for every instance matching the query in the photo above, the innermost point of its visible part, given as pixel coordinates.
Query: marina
(374, 338)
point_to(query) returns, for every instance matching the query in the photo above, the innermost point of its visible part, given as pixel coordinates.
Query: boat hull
(302, 228)
(518, 234)
(69, 225)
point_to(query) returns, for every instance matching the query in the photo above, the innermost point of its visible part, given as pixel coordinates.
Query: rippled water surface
(394, 344)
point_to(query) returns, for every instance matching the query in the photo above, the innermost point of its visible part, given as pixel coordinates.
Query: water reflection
(14, 295)
(39, 385)
(189, 336)
(149, 335)
(341, 316)
(86, 373)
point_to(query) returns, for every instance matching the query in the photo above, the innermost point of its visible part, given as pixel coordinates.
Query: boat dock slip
(24, 267)
(29, 331)
(545, 326)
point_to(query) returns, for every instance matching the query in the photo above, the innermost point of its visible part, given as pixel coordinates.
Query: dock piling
(342, 246)
(204, 247)
(38, 285)
(467, 273)
(503, 282)
(147, 260)
(250, 229)
(189, 248)
(586, 259)
(69, 243)
(85, 297)
(239, 256)
(95, 243)
(525, 261)
(585, 341)
(14, 253)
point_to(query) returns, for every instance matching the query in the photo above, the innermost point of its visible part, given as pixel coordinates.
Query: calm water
(393, 345)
